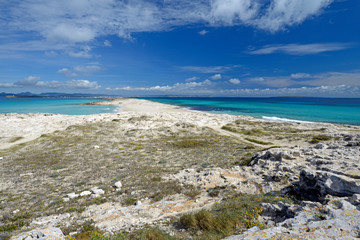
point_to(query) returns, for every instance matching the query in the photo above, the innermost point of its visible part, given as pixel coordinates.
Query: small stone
(319, 146)
(72, 195)
(117, 185)
(355, 199)
(94, 195)
(16, 211)
(138, 203)
(66, 199)
(1, 158)
(96, 147)
(85, 193)
(98, 191)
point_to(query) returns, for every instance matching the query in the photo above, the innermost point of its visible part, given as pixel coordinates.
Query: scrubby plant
(319, 138)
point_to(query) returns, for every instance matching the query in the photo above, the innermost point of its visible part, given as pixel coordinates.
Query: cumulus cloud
(29, 81)
(83, 53)
(67, 73)
(209, 69)
(300, 75)
(80, 21)
(216, 77)
(234, 81)
(34, 82)
(335, 91)
(80, 70)
(321, 79)
(177, 87)
(191, 79)
(301, 49)
(203, 32)
(107, 43)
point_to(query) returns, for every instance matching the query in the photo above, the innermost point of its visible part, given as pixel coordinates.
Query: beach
(150, 163)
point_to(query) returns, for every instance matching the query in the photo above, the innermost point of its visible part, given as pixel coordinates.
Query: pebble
(72, 195)
(85, 193)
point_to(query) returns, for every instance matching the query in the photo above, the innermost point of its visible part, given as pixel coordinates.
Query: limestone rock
(47, 233)
(117, 185)
(355, 199)
(85, 193)
(314, 185)
(72, 195)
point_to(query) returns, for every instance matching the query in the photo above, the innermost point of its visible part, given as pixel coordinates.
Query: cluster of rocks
(337, 219)
(94, 193)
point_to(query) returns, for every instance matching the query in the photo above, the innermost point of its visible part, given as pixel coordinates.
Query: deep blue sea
(333, 110)
(69, 106)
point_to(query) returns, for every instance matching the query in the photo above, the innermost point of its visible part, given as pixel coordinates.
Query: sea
(68, 106)
(279, 109)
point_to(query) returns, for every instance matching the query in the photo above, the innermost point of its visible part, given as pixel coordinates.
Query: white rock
(85, 193)
(96, 147)
(98, 191)
(16, 211)
(118, 185)
(1, 158)
(94, 195)
(72, 195)
(138, 203)
(48, 233)
(66, 199)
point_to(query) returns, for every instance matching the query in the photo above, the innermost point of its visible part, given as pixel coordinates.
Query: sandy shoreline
(20, 128)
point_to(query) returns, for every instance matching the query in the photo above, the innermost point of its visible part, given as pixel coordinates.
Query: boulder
(314, 185)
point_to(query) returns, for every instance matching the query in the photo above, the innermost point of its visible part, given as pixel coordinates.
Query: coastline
(151, 147)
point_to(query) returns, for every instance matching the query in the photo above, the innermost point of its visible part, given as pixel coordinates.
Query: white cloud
(83, 53)
(300, 75)
(209, 69)
(321, 91)
(216, 77)
(191, 79)
(107, 43)
(67, 73)
(80, 21)
(301, 49)
(203, 32)
(71, 33)
(34, 82)
(234, 81)
(29, 81)
(80, 70)
(321, 79)
(72, 84)
(177, 87)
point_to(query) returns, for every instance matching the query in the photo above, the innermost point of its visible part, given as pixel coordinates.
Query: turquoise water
(68, 106)
(333, 110)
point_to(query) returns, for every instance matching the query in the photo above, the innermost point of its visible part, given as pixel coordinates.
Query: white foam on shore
(277, 119)
(117, 109)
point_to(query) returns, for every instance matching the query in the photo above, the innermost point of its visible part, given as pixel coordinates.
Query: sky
(234, 48)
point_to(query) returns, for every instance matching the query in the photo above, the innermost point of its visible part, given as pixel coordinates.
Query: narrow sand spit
(149, 163)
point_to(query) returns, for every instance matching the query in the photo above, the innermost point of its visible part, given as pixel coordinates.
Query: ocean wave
(277, 119)
(117, 109)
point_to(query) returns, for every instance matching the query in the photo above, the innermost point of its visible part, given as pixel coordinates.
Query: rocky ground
(157, 165)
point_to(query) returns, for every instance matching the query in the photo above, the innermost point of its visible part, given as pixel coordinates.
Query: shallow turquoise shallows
(333, 110)
(68, 106)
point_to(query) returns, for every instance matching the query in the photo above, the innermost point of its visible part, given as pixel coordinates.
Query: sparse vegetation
(320, 138)
(258, 141)
(236, 213)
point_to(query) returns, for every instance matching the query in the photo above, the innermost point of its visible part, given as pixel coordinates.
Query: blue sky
(181, 47)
